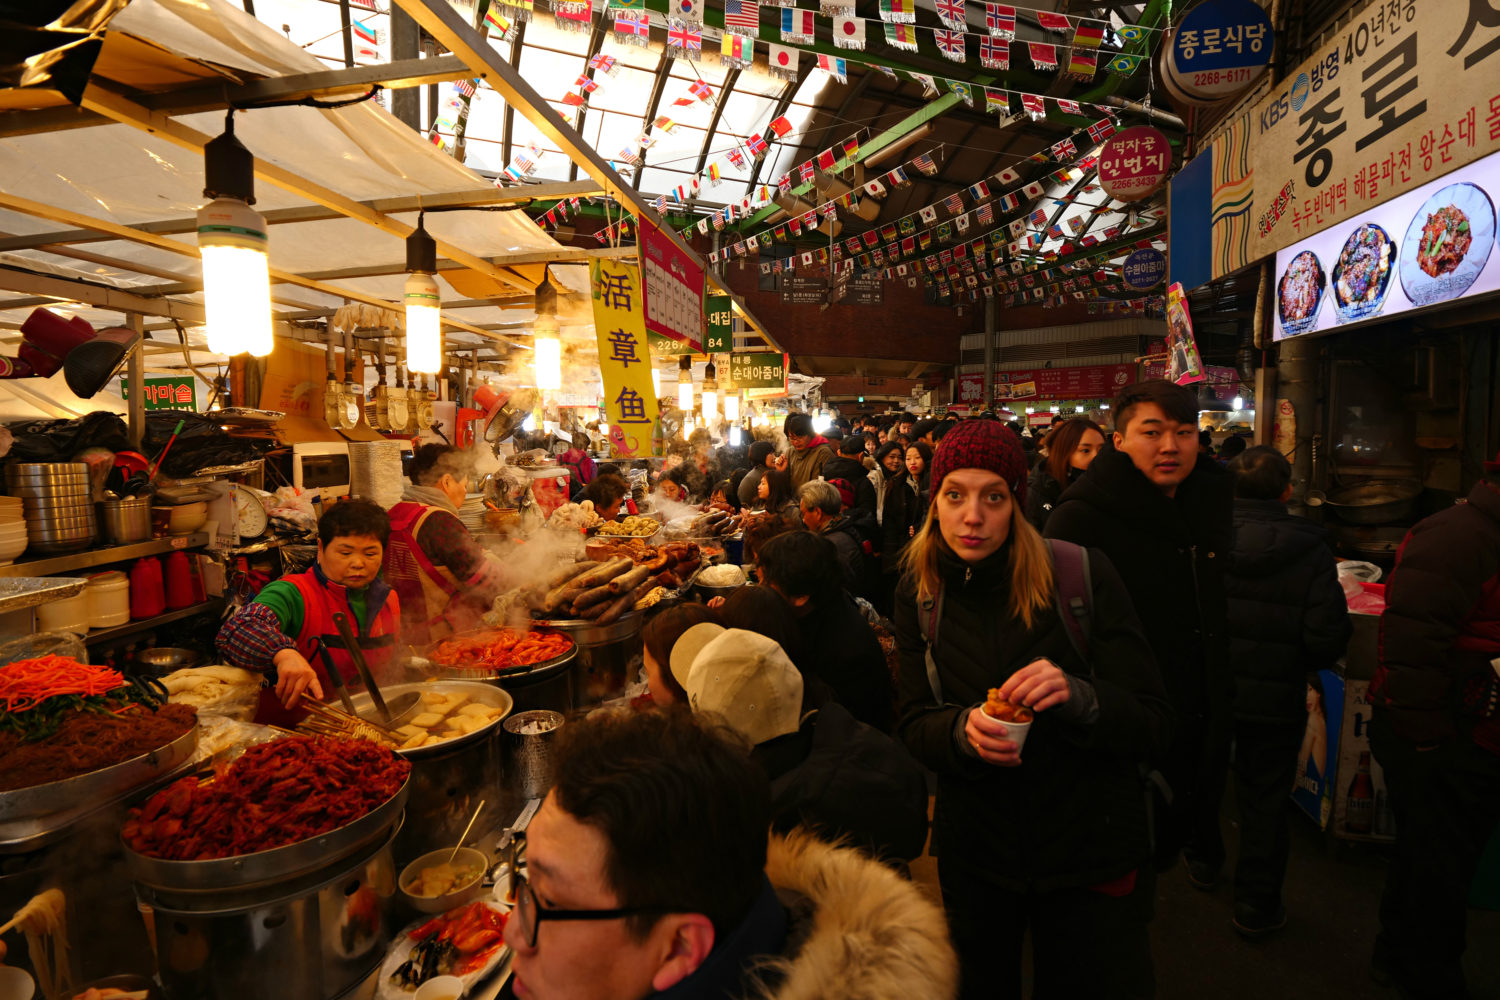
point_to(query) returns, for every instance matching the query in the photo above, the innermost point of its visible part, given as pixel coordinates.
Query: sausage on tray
(568, 572)
(603, 574)
(592, 596)
(629, 580)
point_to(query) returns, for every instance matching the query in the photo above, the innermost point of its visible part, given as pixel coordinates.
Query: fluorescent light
(236, 277)
(424, 334)
(1239, 403)
(548, 360)
(732, 406)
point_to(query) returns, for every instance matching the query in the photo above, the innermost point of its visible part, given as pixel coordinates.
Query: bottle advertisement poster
(1361, 805)
(1317, 760)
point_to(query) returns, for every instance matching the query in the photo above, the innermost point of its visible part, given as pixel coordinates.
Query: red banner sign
(1134, 163)
(971, 389)
(1084, 382)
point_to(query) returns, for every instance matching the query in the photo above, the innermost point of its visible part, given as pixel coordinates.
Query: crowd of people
(1148, 614)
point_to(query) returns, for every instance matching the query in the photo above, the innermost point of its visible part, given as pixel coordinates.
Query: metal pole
(136, 372)
(344, 22)
(406, 103)
(991, 317)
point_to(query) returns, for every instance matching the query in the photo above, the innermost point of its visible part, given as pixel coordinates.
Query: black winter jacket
(1073, 812)
(896, 520)
(1043, 492)
(841, 649)
(848, 536)
(853, 471)
(1287, 616)
(1171, 552)
(844, 778)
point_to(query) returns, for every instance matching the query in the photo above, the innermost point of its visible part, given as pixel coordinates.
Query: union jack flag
(1000, 20)
(950, 43)
(743, 15)
(736, 157)
(952, 13)
(1064, 150)
(685, 39)
(602, 63)
(994, 53)
(640, 28)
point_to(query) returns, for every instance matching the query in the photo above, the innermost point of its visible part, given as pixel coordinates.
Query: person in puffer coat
(1054, 841)
(1287, 619)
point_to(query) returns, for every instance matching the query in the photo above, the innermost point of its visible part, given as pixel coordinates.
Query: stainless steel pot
(54, 545)
(60, 509)
(1375, 501)
(124, 521)
(46, 471)
(50, 492)
(607, 656)
(314, 938)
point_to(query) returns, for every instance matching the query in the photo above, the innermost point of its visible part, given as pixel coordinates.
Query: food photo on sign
(1183, 363)
(1429, 246)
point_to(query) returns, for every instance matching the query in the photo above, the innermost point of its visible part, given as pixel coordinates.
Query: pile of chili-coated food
(495, 650)
(60, 719)
(273, 795)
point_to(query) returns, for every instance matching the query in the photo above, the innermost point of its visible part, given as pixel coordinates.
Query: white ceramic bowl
(15, 984)
(466, 856)
(184, 519)
(10, 548)
(440, 988)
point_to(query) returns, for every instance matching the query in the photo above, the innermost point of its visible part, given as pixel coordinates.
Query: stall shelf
(104, 556)
(97, 635)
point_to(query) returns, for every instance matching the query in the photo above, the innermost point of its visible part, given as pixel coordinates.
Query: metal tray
(96, 786)
(19, 592)
(275, 865)
(477, 691)
(445, 672)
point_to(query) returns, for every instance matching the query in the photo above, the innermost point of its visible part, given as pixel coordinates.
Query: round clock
(250, 515)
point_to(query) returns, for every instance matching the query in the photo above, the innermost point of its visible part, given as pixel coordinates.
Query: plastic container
(69, 614)
(148, 595)
(109, 599)
(178, 574)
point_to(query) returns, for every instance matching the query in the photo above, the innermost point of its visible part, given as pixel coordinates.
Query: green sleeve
(283, 597)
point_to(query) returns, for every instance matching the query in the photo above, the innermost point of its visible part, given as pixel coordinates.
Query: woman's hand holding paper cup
(998, 729)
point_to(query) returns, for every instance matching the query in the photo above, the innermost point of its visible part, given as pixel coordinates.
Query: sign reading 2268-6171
(1406, 92)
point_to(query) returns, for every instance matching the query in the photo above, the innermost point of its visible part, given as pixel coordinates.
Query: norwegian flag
(586, 84)
(994, 53)
(1053, 21)
(466, 87)
(631, 27)
(1032, 104)
(757, 146)
(1043, 55)
(1064, 149)
(953, 14)
(1068, 107)
(736, 157)
(806, 171)
(925, 164)
(1101, 130)
(742, 16)
(1000, 20)
(701, 90)
(951, 44)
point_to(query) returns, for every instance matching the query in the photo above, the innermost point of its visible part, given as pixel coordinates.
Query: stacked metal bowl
(57, 502)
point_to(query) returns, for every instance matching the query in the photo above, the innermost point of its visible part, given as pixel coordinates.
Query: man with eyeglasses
(646, 873)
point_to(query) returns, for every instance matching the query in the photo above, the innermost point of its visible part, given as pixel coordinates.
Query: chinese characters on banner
(175, 393)
(761, 374)
(673, 288)
(971, 389)
(1403, 94)
(1183, 363)
(624, 361)
(1079, 382)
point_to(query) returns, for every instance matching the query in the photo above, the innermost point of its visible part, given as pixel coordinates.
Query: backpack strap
(929, 617)
(1074, 587)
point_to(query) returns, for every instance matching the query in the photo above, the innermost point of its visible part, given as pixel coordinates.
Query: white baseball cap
(747, 678)
(685, 650)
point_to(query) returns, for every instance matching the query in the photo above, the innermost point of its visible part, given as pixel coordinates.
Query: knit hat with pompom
(982, 444)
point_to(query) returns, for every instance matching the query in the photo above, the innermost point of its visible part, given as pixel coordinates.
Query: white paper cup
(440, 988)
(1014, 731)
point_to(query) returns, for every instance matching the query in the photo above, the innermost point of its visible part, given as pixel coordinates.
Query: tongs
(391, 715)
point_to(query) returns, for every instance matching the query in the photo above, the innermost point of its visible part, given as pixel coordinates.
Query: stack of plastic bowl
(57, 502)
(12, 530)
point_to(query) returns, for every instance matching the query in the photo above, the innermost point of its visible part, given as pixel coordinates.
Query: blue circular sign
(1220, 48)
(1144, 269)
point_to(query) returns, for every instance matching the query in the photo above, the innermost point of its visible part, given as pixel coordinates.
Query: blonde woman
(1054, 842)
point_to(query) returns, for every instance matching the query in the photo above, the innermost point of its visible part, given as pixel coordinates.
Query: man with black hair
(849, 466)
(839, 645)
(444, 579)
(288, 632)
(1436, 732)
(1287, 620)
(810, 450)
(943, 427)
(762, 457)
(922, 431)
(904, 423)
(647, 873)
(1160, 510)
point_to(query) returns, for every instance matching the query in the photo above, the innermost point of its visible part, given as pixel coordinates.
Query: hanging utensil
(391, 715)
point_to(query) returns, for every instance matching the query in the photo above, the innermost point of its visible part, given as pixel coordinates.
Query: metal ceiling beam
(713, 123)
(658, 87)
(596, 43)
(444, 24)
(319, 213)
(55, 289)
(128, 112)
(782, 103)
(842, 114)
(508, 120)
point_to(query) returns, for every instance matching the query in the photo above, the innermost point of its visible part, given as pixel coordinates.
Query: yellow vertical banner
(624, 361)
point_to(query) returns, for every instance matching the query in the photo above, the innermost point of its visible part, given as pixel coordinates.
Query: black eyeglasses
(529, 910)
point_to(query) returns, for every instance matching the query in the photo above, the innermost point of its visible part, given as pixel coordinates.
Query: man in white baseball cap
(743, 676)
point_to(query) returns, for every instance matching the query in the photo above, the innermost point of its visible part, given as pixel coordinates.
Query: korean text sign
(175, 393)
(624, 362)
(1077, 382)
(1404, 93)
(762, 374)
(673, 288)
(1134, 163)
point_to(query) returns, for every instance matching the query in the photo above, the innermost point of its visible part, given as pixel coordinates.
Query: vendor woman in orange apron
(446, 582)
(288, 631)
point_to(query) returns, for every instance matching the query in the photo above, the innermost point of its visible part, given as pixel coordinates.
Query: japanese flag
(783, 57)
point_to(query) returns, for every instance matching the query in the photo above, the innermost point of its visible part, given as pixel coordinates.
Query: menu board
(1431, 245)
(672, 287)
(1406, 92)
(1078, 382)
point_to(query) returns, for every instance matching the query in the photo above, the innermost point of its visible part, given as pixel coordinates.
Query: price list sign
(673, 288)
(1406, 92)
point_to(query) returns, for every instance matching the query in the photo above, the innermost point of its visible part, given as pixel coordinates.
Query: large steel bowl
(1375, 501)
(488, 694)
(448, 670)
(105, 783)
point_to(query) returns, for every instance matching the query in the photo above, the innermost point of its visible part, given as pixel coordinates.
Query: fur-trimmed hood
(869, 934)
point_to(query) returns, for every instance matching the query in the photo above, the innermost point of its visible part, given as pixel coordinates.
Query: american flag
(465, 87)
(925, 164)
(950, 44)
(660, 204)
(1000, 20)
(985, 214)
(744, 14)
(952, 13)
(718, 220)
(1038, 219)
(994, 53)
(954, 203)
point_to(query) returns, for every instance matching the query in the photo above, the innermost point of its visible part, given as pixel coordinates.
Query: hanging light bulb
(685, 385)
(424, 332)
(710, 394)
(735, 435)
(233, 244)
(655, 384)
(548, 358)
(731, 395)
